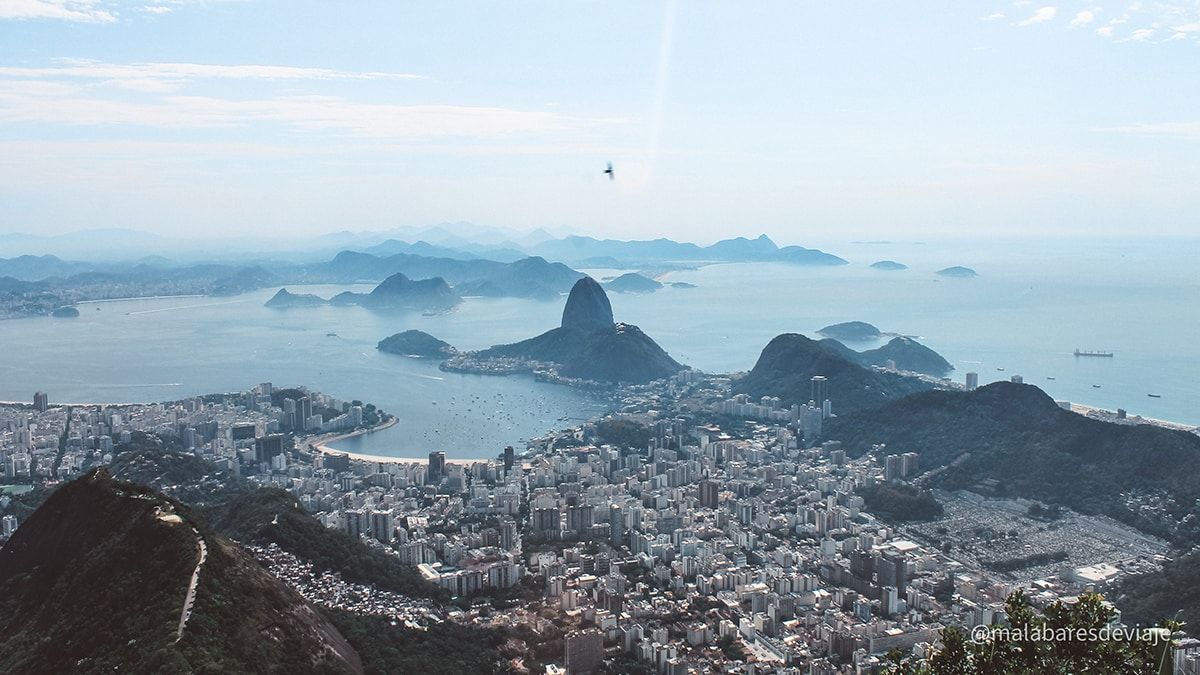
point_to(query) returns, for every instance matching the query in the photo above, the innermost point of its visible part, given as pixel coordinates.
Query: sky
(802, 120)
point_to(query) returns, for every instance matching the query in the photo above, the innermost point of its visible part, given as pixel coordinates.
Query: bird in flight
(609, 172)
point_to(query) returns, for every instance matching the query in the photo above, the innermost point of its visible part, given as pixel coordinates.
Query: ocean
(1032, 305)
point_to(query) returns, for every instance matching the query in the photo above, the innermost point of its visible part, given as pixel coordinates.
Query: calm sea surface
(1031, 306)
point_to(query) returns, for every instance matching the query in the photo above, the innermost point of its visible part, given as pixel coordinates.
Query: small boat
(1000, 369)
(1048, 377)
(1095, 386)
(1154, 395)
(331, 335)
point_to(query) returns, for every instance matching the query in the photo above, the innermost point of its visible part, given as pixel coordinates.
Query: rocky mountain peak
(587, 307)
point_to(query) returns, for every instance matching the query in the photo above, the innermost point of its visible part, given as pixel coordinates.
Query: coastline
(320, 445)
(142, 297)
(1106, 415)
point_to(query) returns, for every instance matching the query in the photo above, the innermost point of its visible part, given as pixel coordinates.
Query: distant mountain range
(531, 277)
(465, 251)
(395, 292)
(590, 345)
(490, 267)
(740, 249)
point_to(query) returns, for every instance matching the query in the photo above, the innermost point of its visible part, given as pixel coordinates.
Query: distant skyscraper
(544, 520)
(818, 390)
(41, 401)
(893, 467)
(291, 414)
(972, 381)
(709, 489)
(1018, 379)
(437, 467)
(509, 534)
(616, 522)
(580, 519)
(509, 458)
(303, 412)
(383, 526)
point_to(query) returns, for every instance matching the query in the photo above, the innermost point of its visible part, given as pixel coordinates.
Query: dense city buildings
(687, 531)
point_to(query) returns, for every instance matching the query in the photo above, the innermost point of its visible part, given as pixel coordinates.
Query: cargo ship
(1085, 352)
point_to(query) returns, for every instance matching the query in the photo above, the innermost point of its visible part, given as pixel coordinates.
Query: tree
(1066, 638)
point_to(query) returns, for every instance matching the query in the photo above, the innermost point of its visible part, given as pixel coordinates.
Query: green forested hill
(1017, 436)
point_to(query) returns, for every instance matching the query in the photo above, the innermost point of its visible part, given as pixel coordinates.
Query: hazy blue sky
(793, 118)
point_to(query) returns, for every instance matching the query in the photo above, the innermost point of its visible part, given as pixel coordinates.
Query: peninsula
(587, 346)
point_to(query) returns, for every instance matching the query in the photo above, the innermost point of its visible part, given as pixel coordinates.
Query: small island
(633, 283)
(67, 312)
(416, 343)
(888, 266)
(958, 272)
(851, 330)
(681, 284)
(285, 299)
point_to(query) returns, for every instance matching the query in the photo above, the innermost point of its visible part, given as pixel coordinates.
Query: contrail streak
(660, 88)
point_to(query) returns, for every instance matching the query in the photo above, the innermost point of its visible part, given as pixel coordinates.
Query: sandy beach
(321, 444)
(382, 459)
(1082, 409)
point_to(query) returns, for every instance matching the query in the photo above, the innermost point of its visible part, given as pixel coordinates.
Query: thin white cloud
(1159, 22)
(1189, 130)
(994, 16)
(1139, 35)
(76, 68)
(1041, 15)
(91, 11)
(91, 93)
(168, 6)
(84, 11)
(39, 102)
(1083, 18)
